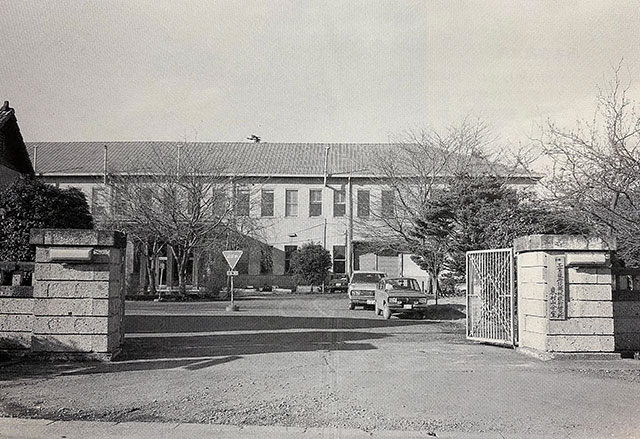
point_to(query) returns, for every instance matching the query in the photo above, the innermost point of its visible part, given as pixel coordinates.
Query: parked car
(362, 286)
(338, 283)
(399, 295)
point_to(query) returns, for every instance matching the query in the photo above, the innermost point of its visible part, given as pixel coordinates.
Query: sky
(307, 71)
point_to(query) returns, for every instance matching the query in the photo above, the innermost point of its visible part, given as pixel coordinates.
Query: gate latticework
(490, 296)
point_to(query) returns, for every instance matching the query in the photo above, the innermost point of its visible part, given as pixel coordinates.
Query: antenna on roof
(254, 138)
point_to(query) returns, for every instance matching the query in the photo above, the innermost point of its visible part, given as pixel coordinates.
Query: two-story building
(301, 192)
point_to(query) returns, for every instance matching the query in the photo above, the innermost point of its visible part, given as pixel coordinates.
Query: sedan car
(338, 283)
(362, 286)
(399, 295)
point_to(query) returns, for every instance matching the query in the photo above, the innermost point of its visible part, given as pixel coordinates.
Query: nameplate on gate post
(557, 289)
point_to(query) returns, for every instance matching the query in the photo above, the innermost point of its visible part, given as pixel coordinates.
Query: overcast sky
(308, 71)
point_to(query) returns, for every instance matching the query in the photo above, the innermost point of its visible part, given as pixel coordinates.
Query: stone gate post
(78, 292)
(564, 294)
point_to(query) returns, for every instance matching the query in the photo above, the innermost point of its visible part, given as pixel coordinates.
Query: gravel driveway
(308, 361)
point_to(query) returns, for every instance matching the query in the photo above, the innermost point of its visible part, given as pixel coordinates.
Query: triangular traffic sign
(232, 257)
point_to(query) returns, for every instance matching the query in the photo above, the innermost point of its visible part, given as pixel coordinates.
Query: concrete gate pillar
(564, 294)
(78, 292)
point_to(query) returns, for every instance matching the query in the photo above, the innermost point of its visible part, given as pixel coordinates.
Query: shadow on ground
(135, 324)
(150, 347)
(193, 342)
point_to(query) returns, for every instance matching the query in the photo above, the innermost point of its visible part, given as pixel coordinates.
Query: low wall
(16, 318)
(564, 294)
(76, 305)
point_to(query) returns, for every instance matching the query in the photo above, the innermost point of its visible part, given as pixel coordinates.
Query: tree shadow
(195, 342)
(156, 347)
(135, 324)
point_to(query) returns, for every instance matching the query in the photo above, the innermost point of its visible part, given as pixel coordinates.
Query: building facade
(296, 193)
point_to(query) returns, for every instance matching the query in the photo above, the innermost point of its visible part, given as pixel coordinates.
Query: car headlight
(393, 300)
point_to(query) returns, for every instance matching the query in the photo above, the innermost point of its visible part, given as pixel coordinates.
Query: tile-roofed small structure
(236, 158)
(14, 159)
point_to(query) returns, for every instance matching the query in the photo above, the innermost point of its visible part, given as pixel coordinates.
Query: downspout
(104, 166)
(178, 161)
(350, 227)
(326, 163)
(35, 160)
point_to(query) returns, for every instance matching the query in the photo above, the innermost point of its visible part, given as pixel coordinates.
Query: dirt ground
(307, 361)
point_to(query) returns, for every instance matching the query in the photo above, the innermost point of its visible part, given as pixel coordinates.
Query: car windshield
(371, 278)
(404, 284)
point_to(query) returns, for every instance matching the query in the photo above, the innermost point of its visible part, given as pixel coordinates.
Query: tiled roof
(242, 158)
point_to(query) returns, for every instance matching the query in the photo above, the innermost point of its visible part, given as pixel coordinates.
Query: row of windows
(267, 204)
(291, 205)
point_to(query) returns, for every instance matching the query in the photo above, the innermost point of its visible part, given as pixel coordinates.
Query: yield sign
(232, 257)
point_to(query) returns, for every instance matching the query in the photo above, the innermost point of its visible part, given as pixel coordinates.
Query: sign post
(232, 257)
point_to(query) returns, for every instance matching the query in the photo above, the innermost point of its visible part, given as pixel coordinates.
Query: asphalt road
(307, 361)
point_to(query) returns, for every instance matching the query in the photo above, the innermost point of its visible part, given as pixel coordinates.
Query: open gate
(491, 296)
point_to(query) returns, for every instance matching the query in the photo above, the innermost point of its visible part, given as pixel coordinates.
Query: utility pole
(324, 234)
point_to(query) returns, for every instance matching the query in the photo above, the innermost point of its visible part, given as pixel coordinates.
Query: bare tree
(185, 202)
(415, 172)
(596, 166)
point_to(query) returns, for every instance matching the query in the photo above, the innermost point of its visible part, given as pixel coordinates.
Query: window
(266, 260)
(267, 202)
(315, 202)
(219, 202)
(289, 250)
(291, 203)
(97, 201)
(363, 204)
(119, 201)
(339, 259)
(242, 201)
(194, 196)
(388, 204)
(339, 203)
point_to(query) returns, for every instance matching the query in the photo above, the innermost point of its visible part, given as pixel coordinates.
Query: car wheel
(352, 305)
(386, 312)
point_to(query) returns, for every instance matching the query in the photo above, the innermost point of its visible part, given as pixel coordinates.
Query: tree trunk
(151, 275)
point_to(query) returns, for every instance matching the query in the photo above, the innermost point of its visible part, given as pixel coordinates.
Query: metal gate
(490, 296)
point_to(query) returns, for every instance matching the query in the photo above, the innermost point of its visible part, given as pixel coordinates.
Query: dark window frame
(364, 206)
(242, 198)
(264, 206)
(388, 203)
(339, 206)
(339, 259)
(315, 206)
(289, 250)
(287, 205)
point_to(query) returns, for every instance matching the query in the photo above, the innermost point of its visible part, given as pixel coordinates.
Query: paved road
(309, 362)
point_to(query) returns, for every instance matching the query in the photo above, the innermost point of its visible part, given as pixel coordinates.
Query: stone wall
(76, 304)
(16, 318)
(564, 294)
